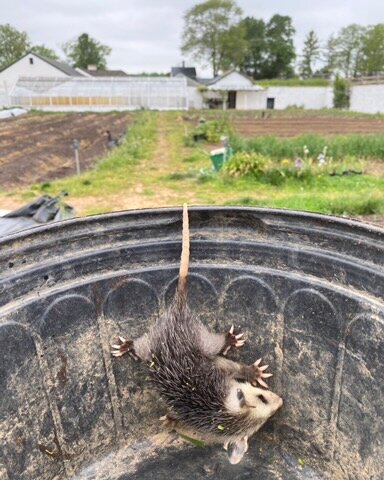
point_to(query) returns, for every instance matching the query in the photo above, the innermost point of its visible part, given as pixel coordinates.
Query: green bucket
(218, 158)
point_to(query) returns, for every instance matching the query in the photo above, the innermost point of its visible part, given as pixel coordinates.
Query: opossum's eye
(263, 399)
(240, 397)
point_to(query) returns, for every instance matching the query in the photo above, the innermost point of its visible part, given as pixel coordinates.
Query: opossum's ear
(241, 398)
(236, 450)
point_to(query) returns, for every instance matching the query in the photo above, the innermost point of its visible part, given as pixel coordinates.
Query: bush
(210, 131)
(303, 169)
(341, 93)
(246, 163)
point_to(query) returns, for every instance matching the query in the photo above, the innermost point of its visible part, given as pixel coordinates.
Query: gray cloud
(146, 35)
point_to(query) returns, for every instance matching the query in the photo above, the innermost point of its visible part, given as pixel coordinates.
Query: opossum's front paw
(168, 422)
(232, 340)
(125, 346)
(259, 374)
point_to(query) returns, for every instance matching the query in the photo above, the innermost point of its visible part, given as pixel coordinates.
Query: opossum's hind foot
(236, 450)
(232, 340)
(168, 422)
(259, 374)
(125, 346)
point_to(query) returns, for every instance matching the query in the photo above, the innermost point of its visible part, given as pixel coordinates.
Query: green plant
(210, 130)
(246, 163)
(341, 93)
(339, 147)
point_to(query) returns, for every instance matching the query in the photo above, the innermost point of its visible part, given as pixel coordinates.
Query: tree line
(218, 35)
(80, 52)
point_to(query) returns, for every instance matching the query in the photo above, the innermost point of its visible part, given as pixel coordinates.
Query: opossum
(206, 393)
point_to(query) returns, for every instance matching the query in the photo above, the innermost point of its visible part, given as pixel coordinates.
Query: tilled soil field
(290, 127)
(37, 148)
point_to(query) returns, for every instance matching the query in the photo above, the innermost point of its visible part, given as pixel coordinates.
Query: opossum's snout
(261, 404)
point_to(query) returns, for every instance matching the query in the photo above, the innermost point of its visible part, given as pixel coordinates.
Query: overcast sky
(145, 35)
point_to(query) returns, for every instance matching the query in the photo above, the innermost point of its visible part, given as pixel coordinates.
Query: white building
(234, 90)
(32, 65)
(368, 97)
(36, 81)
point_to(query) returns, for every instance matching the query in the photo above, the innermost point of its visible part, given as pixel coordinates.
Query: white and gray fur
(205, 392)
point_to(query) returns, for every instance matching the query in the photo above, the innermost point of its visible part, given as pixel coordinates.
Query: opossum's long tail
(184, 261)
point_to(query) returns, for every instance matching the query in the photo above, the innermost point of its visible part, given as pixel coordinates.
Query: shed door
(270, 103)
(232, 99)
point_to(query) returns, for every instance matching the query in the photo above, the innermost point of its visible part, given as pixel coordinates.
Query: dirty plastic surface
(307, 289)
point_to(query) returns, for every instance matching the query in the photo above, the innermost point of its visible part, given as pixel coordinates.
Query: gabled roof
(63, 67)
(214, 84)
(187, 71)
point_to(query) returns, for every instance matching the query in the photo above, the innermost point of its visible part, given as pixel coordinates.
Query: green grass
(339, 146)
(112, 173)
(155, 158)
(357, 195)
(294, 82)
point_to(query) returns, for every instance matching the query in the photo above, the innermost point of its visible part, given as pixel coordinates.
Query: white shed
(237, 91)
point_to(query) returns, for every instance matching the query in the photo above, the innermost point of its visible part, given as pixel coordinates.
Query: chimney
(93, 68)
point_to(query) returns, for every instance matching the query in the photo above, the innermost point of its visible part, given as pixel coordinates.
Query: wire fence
(126, 93)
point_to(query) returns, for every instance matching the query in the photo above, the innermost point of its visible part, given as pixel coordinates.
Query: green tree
(256, 52)
(85, 50)
(45, 52)
(280, 48)
(213, 34)
(13, 45)
(348, 50)
(372, 62)
(311, 53)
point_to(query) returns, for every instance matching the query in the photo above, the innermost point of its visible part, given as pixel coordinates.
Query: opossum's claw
(260, 374)
(126, 346)
(262, 383)
(232, 340)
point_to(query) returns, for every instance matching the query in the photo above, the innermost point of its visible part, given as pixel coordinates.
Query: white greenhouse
(98, 94)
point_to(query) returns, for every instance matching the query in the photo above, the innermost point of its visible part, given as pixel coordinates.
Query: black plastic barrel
(307, 290)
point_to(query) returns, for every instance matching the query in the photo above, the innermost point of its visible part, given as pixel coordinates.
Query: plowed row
(37, 148)
(290, 127)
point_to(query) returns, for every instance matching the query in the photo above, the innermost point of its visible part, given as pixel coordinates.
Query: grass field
(156, 166)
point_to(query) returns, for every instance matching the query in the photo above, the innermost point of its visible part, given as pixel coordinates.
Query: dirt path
(145, 174)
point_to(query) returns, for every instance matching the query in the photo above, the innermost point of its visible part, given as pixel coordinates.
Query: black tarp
(44, 209)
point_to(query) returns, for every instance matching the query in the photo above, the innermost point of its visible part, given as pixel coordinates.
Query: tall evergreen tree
(311, 54)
